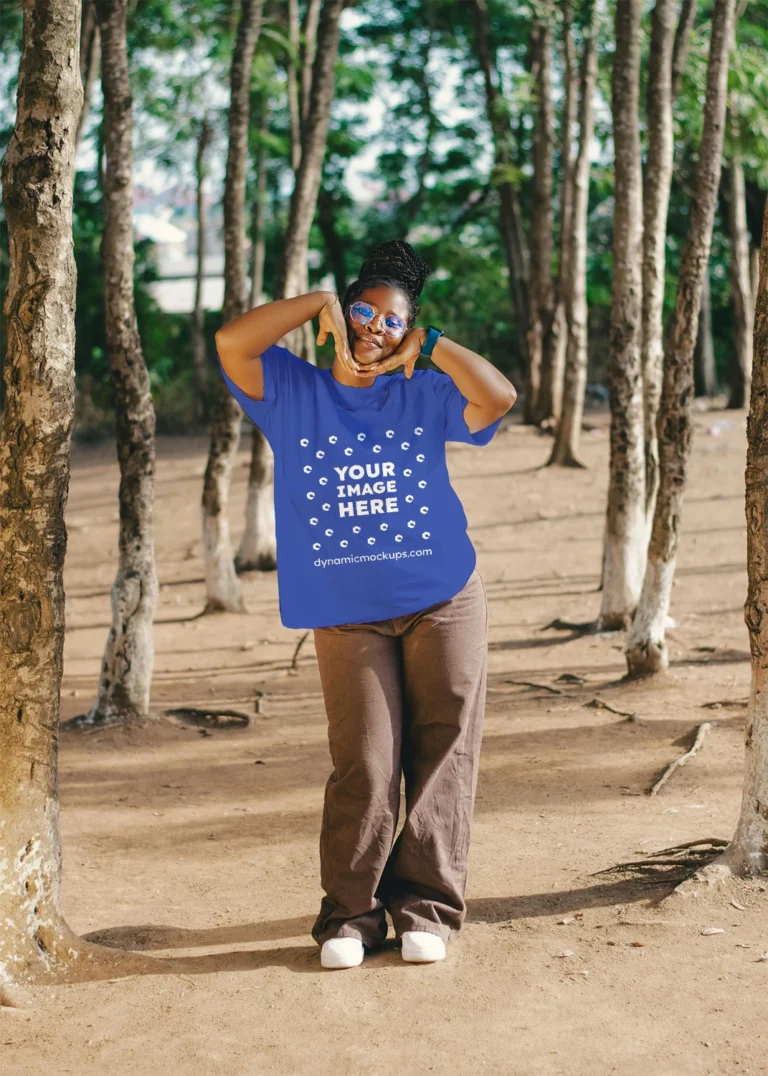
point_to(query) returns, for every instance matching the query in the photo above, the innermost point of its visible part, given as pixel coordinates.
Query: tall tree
(199, 350)
(223, 592)
(625, 530)
(704, 382)
(565, 452)
(90, 58)
(541, 324)
(258, 547)
(37, 177)
(747, 853)
(740, 366)
(513, 235)
(259, 212)
(646, 646)
(126, 671)
(667, 48)
(553, 378)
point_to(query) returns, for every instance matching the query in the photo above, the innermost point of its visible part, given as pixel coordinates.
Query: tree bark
(741, 288)
(646, 646)
(747, 854)
(223, 591)
(258, 546)
(704, 355)
(126, 671)
(90, 58)
(199, 351)
(513, 236)
(34, 475)
(258, 216)
(567, 124)
(626, 531)
(307, 51)
(541, 337)
(565, 452)
(656, 191)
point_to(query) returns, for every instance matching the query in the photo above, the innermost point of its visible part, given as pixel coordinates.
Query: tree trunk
(126, 671)
(39, 306)
(293, 89)
(199, 351)
(646, 646)
(223, 591)
(307, 54)
(541, 338)
(747, 854)
(258, 216)
(704, 355)
(258, 546)
(90, 58)
(741, 288)
(334, 246)
(567, 125)
(512, 232)
(625, 530)
(566, 448)
(658, 181)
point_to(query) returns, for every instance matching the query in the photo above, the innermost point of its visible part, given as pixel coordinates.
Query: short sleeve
(453, 403)
(278, 366)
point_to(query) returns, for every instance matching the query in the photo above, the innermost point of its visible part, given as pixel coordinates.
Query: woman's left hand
(405, 356)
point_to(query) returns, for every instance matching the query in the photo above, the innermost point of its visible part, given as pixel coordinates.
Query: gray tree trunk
(258, 218)
(747, 854)
(646, 645)
(34, 475)
(199, 350)
(741, 288)
(35, 941)
(258, 546)
(512, 232)
(308, 51)
(567, 125)
(541, 336)
(625, 530)
(565, 452)
(90, 58)
(126, 671)
(704, 357)
(656, 190)
(223, 591)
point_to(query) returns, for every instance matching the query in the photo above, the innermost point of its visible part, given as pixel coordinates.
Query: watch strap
(433, 335)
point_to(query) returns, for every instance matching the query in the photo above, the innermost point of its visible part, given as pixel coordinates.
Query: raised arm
(241, 341)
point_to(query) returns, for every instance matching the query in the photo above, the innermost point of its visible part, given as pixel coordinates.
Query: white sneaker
(341, 953)
(421, 947)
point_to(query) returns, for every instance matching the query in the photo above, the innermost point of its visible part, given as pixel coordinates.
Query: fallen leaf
(637, 945)
(736, 904)
(709, 931)
(565, 954)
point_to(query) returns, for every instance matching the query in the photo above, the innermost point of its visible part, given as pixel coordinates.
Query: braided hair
(394, 264)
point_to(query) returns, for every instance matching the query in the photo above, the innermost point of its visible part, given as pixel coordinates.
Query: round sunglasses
(362, 313)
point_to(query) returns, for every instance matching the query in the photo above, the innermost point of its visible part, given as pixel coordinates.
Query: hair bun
(398, 260)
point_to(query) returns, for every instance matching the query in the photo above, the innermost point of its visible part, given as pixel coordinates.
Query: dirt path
(203, 848)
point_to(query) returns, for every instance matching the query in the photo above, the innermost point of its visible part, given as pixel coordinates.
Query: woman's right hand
(332, 321)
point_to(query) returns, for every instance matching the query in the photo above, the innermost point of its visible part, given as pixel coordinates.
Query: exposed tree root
(672, 866)
(294, 666)
(588, 627)
(694, 749)
(211, 719)
(542, 687)
(599, 704)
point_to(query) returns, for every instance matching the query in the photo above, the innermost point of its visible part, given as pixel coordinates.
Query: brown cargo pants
(404, 695)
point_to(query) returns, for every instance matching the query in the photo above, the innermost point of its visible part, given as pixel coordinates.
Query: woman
(373, 554)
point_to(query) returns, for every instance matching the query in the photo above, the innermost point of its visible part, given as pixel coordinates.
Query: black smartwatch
(433, 335)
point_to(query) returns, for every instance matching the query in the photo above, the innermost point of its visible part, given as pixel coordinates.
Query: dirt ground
(202, 848)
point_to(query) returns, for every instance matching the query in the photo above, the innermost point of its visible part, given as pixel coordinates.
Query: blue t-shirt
(368, 525)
